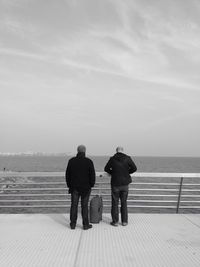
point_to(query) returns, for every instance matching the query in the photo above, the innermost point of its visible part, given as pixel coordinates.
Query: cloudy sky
(102, 73)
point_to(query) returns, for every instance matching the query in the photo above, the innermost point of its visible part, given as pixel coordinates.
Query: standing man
(120, 166)
(80, 178)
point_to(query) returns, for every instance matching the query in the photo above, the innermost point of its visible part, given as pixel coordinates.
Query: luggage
(96, 209)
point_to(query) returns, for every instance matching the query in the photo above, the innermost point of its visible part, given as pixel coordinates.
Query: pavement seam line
(191, 221)
(78, 249)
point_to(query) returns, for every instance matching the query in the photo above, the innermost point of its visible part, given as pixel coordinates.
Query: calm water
(58, 163)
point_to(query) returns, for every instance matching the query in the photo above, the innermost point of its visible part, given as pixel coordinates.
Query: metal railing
(46, 192)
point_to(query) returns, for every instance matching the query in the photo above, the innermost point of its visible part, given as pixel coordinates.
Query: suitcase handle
(99, 191)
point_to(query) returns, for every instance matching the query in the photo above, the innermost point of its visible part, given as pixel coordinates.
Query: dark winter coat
(80, 173)
(120, 166)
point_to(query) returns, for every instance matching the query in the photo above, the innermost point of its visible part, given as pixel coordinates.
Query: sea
(58, 163)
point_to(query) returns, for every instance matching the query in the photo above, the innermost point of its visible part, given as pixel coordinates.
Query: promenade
(150, 240)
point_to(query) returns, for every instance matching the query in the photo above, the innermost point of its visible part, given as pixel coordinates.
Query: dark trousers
(119, 192)
(75, 195)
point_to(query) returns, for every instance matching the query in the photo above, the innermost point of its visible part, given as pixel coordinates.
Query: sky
(101, 73)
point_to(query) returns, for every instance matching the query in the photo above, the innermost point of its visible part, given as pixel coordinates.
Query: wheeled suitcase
(96, 209)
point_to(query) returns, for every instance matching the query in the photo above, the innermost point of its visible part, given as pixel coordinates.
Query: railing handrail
(104, 174)
(97, 183)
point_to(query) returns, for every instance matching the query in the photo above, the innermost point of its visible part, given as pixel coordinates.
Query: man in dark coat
(120, 166)
(80, 178)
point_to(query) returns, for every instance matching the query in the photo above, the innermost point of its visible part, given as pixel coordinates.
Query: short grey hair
(81, 148)
(119, 149)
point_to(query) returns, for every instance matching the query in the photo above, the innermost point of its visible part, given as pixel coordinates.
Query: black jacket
(80, 173)
(120, 166)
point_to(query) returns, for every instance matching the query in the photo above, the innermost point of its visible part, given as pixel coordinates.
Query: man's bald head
(119, 149)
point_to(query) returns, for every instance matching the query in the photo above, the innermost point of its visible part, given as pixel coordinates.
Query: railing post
(179, 195)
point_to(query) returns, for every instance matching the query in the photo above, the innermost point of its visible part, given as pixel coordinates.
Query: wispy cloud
(21, 53)
(100, 63)
(175, 118)
(133, 47)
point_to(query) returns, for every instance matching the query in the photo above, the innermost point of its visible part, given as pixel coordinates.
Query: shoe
(72, 226)
(86, 227)
(114, 223)
(124, 223)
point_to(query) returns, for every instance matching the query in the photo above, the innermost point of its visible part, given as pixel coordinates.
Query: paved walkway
(150, 240)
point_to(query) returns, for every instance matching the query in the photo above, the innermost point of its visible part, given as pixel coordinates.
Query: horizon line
(91, 155)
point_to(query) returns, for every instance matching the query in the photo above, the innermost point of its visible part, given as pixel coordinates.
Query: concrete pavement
(149, 240)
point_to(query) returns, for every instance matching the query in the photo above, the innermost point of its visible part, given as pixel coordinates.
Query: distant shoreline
(58, 163)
